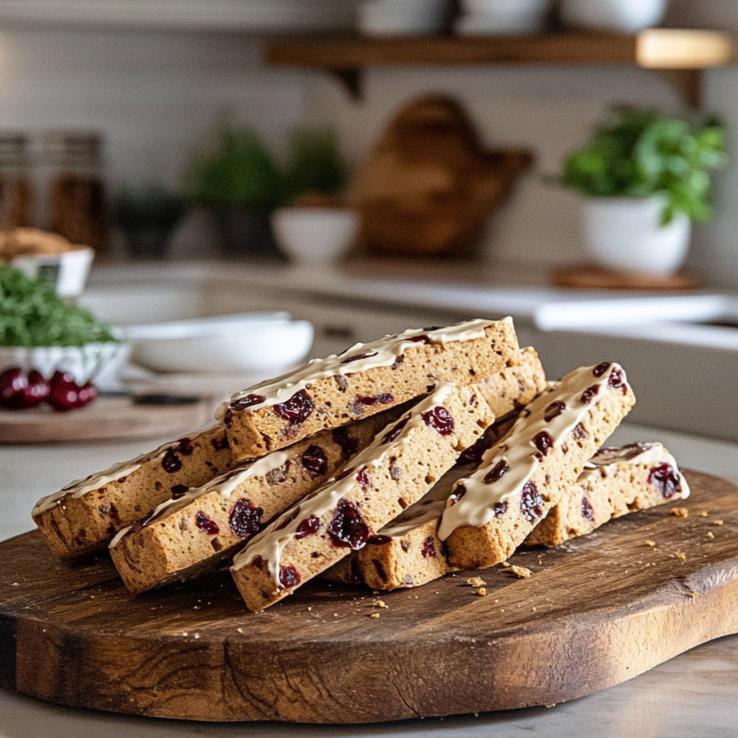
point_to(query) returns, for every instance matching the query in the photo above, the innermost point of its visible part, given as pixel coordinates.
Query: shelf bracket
(687, 83)
(351, 80)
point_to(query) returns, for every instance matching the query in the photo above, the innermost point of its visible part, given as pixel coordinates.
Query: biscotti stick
(490, 513)
(365, 379)
(617, 481)
(515, 386)
(186, 536)
(85, 515)
(396, 470)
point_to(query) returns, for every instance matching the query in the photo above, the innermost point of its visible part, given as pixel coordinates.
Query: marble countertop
(695, 694)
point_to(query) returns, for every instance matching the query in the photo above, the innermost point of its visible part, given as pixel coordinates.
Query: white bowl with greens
(38, 330)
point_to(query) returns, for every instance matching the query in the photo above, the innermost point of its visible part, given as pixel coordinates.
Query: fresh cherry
(37, 390)
(13, 386)
(63, 391)
(87, 394)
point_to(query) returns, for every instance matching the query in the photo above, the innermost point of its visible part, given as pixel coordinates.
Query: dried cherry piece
(665, 479)
(457, 494)
(297, 409)
(382, 399)
(420, 338)
(308, 527)
(600, 369)
(543, 442)
(440, 420)
(587, 509)
(203, 522)
(247, 401)
(579, 432)
(288, 577)
(245, 519)
(497, 472)
(314, 461)
(362, 477)
(616, 378)
(428, 551)
(347, 528)
(185, 447)
(531, 502)
(589, 393)
(499, 508)
(554, 410)
(171, 462)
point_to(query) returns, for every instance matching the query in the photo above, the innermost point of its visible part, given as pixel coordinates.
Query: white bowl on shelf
(315, 235)
(621, 16)
(66, 272)
(251, 344)
(503, 17)
(402, 17)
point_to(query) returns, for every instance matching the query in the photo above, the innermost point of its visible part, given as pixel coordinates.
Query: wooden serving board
(595, 613)
(591, 277)
(105, 419)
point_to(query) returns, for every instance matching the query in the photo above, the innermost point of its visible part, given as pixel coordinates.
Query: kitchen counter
(695, 694)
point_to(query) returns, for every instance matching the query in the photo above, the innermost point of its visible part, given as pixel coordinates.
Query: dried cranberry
(394, 433)
(356, 357)
(440, 420)
(362, 477)
(308, 527)
(457, 494)
(579, 432)
(288, 577)
(185, 447)
(346, 442)
(247, 401)
(600, 369)
(500, 508)
(428, 550)
(297, 409)
(219, 444)
(314, 461)
(589, 393)
(347, 528)
(245, 519)
(587, 510)
(497, 472)
(420, 338)
(382, 399)
(171, 462)
(531, 502)
(543, 442)
(616, 378)
(665, 479)
(178, 490)
(554, 410)
(379, 540)
(203, 522)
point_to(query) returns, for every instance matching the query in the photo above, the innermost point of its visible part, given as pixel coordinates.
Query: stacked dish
(403, 17)
(502, 17)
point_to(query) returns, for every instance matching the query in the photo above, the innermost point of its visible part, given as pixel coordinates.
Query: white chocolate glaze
(268, 544)
(94, 481)
(476, 506)
(225, 484)
(382, 352)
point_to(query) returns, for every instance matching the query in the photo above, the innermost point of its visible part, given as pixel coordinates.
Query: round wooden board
(596, 612)
(589, 277)
(107, 418)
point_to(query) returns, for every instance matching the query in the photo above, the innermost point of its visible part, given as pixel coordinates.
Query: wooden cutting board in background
(429, 185)
(596, 612)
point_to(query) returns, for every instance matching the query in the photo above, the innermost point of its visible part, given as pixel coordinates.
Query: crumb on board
(375, 615)
(506, 564)
(702, 514)
(475, 582)
(718, 522)
(521, 572)
(481, 591)
(680, 512)
(379, 603)
(709, 535)
(650, 543)
(681, 555)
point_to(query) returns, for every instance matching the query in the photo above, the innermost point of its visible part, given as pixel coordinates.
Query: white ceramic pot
(624, 16)
(625, 233)
(402, 17)
(314, 235)
(66, 272)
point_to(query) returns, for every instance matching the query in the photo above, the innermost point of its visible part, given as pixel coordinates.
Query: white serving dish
(98, 362)
(233, 343)
(315, 235)
(402, 17)
(500, 24)
(66, 272)
(623, 16)
(493, 7)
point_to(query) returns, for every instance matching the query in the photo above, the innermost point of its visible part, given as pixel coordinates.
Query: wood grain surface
(107, 418)
(595, 613)
(590, 277)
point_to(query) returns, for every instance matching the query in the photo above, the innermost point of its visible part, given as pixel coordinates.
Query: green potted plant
(317, 225)
(147, 217)
(240, 184)
(644, 178)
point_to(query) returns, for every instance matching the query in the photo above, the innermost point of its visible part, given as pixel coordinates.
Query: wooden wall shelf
(680, 54)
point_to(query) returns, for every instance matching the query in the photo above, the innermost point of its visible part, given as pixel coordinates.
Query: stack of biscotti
(85, 515)
(395, 471)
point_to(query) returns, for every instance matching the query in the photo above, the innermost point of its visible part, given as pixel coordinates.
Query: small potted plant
(147, 217)
(644, 177)
(240, 184)
(317, 225)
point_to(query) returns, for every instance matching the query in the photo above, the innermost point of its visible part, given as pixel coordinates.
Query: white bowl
(624, 16)
(402, 17)
(66, 272)
(500, 24)
(93, 361)
(221, 345)
(315, 235)
(491, 7)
